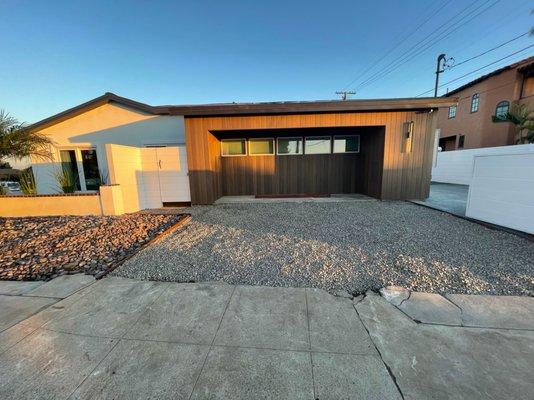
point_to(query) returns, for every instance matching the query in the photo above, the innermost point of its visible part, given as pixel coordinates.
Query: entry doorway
(165, 175)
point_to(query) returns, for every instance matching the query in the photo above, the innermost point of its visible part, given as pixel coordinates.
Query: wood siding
(392, 175)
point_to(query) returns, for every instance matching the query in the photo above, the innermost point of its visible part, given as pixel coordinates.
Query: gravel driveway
(353, 246)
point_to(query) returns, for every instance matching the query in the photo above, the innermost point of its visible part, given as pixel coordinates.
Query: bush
(27, 182)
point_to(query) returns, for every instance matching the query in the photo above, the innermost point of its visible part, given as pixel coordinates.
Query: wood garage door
(308, 173)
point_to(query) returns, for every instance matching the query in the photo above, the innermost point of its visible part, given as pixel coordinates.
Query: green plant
(3, 190)
(18, 141)
(27, 182)
(66, 180)
(523, 119)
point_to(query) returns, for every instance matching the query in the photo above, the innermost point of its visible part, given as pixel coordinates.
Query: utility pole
(344, 94)
(439, 69)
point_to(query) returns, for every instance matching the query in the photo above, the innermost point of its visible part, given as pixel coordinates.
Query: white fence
(457, 166)
(501, 190)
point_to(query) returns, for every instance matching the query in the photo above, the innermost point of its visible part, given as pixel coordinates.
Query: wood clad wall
(312, 174)
(403, 175)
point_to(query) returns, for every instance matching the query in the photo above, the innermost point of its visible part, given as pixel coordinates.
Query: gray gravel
(352, 246)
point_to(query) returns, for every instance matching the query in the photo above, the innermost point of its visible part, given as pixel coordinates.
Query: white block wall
(125, 169)
(457, 166)
(501, 190)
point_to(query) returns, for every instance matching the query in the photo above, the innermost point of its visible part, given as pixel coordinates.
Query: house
(477, 120)
(164, 155)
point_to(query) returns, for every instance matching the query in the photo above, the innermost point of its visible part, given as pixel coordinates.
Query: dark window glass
(461, 141)
(90, 169)
(68, 163)
(452, 111)
(288, 146)
(474, 103)
(347, 144)
(502, 109)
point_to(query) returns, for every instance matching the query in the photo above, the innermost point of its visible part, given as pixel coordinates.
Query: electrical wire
(490, 50)
(478, 69)
(392, 49)
(381, 74)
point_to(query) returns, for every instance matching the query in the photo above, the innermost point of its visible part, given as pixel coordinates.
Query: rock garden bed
(40, 248)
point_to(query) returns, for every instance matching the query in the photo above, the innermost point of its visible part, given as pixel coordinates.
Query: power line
(414, 48)
(478, 69)
(381, 74)
(372, 65)
(490, 50)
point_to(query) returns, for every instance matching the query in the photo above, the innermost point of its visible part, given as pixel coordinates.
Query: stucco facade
(514, 83)
(109, 123)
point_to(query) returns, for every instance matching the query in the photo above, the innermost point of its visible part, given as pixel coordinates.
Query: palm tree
(523, 119)
(17, 141)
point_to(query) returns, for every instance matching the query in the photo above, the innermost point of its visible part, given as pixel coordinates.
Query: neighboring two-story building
(477, 120)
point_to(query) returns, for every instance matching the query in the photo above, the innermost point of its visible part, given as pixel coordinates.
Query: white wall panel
(501, 190)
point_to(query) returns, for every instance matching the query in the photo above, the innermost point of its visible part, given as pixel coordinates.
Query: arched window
(502, 109)
(474, 102)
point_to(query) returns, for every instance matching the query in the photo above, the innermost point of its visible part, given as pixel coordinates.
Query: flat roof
(282, 107)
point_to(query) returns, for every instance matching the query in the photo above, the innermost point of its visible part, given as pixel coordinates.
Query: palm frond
(18, 141)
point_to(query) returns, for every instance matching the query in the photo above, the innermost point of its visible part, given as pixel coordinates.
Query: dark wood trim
(283, 107)
(300, 107)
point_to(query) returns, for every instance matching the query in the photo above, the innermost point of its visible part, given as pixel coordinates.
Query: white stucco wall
(457, 166)
(109, 123)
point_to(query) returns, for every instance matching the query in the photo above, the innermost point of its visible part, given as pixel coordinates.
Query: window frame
(288, 138)
(474, 97)
(345, 152)
(500, 104)
(316, 138)
(234, 140)
(79, 164)
(261, 154)
(455, 108)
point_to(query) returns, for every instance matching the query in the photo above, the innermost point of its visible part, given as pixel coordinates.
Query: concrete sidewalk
(121, 338)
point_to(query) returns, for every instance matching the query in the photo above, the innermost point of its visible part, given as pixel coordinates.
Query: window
(474, 103)
(82, 166)
(461, 141)
(289, 146)
(70, 166)
(452, 111)
(501, 111)
(258, 147)
(90, 169)
(347, 144)
(317, 145)
(408, 137)
(233, 147)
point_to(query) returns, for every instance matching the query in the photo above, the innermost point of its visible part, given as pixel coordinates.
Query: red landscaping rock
(40, 248)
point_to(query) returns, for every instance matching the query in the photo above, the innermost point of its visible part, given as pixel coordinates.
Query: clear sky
(57, 54)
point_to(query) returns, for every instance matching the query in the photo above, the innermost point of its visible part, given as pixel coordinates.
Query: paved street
(120, 338)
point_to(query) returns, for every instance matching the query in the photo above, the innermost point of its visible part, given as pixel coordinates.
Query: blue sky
(57, 54)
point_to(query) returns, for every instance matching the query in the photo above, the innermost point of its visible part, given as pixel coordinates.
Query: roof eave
(314, 107)
(95, 103)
